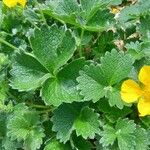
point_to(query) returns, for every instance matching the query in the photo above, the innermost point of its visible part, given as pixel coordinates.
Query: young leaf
(53, 47)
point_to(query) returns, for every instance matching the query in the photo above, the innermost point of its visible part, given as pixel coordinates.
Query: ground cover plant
(74, 75)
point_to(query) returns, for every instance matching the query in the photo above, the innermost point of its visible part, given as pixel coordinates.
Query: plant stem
(80, 47)
(38, 106)
(8, 44)
(44, 111)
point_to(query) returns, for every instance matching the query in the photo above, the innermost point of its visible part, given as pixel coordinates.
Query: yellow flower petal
(115, 10)
(130, 91)
(13, 3)
(144, 107)
(10, 3)
(22, 2)
(144, 75)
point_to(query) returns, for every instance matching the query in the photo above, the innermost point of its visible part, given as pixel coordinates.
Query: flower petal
(144, 75)
(10, 3)
(130, 91)
(22, 2)
(144, 107)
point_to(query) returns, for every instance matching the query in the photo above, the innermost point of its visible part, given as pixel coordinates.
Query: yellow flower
(115, 10)
(131, 91)
(13, 3)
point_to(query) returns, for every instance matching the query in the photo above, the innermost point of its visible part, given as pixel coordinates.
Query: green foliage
(62, 65)
(56, 145)
(25, 125)
(75, 117)
(92, 15)
(97, 81)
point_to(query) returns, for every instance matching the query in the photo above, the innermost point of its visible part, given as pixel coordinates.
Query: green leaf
(100, 21)
(3, 90)
(141, 139)
(116, 66)
(25, 125)
(61, 89)
(115, 2)
(112, 113)
(27, 73)
(63, 120)
(105, 42)
(53, 47)
(3, 118)
(143, 27)
(81, 144)
(91, 83)
(95, 81)
(131, 13)
(125, 129)
(123, 133)
(114, 98)
(9, 145)
(34, 139)
(88, 14)
(108, 135)
(70, 117)
(135, 50)
(53, 144)
(87, 124)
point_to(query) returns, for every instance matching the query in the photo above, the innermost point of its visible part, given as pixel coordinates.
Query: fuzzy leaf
(69, 117)
(108, 136)
(53, 47)
(95, 81)
(141, 139)
(27, 73)
(63, 120)
(91, 83)
(116, 66)
(135, 50)
(53, 144)
(87, 14)
(63, 88)
(87, 124)
(123, 133)
(114, 98)
(25, 125)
